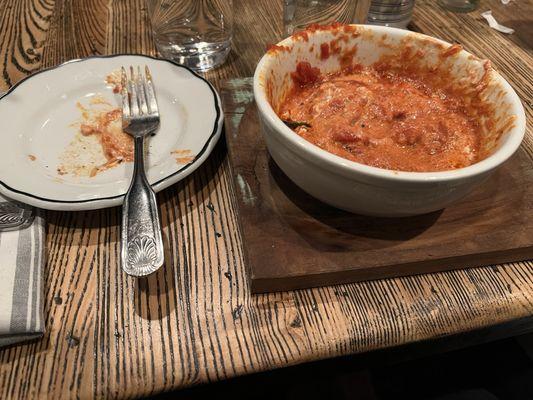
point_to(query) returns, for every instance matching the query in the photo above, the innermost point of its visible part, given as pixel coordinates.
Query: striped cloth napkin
(22, 260)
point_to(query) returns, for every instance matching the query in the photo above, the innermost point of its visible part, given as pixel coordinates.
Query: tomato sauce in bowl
(382, 118)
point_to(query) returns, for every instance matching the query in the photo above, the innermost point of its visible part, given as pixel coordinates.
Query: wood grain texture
(23, 29)
(195, 321)
(295, 241)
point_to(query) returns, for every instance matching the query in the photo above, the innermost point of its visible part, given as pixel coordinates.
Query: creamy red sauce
(382, 118)
(116, 144)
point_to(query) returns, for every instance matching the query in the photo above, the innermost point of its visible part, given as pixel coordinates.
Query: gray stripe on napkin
(19, 311)
(40, 267)
(39, 245)
(35, 283)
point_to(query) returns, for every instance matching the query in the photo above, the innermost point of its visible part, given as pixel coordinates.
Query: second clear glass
(298, 14)
(195, 33)
(395, 13)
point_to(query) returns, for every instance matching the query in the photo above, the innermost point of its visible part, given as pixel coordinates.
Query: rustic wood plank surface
(195, 321)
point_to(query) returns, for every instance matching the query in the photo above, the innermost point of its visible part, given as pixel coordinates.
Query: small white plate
(40, 119)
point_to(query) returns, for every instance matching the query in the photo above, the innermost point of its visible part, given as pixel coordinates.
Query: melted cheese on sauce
(383, 120)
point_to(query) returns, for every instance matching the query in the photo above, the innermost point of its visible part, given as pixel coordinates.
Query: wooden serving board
(292, 240)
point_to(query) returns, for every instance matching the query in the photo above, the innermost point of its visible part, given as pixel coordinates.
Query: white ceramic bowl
(361, 188)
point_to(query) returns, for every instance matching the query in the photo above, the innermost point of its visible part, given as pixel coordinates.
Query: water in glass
(395, 13)
(195, 33)
(298, 14)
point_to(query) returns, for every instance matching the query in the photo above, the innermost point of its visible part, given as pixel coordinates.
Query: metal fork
(142, 245)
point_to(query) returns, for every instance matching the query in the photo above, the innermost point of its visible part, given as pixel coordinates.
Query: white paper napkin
(22, 259)
(495, 24)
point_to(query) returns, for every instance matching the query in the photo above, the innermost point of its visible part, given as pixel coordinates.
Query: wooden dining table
(195, 321)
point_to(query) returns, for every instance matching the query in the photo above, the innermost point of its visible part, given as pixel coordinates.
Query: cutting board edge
(295, 282)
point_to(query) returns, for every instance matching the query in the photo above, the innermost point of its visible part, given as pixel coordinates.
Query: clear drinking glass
(395, 13)
(298, 14)
(460, 5)
(195, 33)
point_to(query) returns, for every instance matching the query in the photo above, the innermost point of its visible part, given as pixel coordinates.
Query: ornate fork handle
(14, 216)
(142, 244)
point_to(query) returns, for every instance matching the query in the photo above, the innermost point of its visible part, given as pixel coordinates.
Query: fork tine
(125, 99)
(134, 104)
(150, 92)
(141, 93)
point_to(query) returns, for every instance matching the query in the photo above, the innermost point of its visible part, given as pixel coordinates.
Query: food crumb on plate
(184, 160)
(107, 165)
(114, 79)
(182, 156)
(99, 99)
(32, 157)
(181, 152)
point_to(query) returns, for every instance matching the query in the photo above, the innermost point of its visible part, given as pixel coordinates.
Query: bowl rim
(334, 162)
